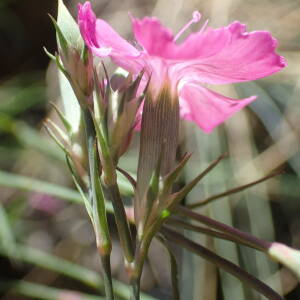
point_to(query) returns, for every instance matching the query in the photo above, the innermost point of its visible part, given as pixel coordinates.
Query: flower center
(195, 19)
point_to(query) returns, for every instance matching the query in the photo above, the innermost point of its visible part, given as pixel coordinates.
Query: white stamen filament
(204, 26)
(195, 19)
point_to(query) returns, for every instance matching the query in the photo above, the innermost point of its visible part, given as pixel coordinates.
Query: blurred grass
(43, 292)
(69, 269)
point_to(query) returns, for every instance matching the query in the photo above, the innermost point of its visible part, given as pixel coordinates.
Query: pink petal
(158, 40)
(100, 37)
(245, 56)
(152, 36)
(206, 108)
(201, 45)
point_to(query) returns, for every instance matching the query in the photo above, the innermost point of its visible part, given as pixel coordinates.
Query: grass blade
(69, 269)
(7, 240)
(42, 292)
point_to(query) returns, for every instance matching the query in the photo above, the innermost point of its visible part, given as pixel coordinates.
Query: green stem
(136, 289)
(98, 204)
(112, 192)
(141, 253)
(107, 278)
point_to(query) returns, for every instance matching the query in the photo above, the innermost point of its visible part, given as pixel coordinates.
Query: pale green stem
(98, 203)
(112, 193)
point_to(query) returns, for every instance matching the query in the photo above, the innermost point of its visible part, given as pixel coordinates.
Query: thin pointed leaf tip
(209, 56)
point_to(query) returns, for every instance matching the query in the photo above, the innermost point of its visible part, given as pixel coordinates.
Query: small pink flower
(45, 203)
(209, 56)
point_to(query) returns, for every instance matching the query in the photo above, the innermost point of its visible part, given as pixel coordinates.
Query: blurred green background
(39, 207)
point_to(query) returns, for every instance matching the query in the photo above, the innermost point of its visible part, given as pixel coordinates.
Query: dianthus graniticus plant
(161, 80)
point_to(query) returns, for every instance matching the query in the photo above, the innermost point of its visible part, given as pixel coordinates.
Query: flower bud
(287, 256)
(124, 103)
(79, 68)
(75, 60)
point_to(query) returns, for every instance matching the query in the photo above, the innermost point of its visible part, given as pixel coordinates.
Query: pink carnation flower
(209, 56)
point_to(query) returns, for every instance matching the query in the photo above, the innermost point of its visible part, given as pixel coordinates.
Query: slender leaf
(174, 269)
(232, 191)
(222, 263)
